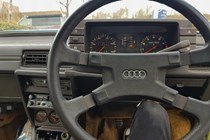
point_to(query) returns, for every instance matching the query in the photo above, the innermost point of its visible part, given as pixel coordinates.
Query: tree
(175, 15)
(144, 14)
(121, 13)
(207, 16)
(101, 15)
(10, 11)
(65, 4)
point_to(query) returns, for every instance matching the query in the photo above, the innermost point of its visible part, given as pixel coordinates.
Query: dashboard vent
(35, 58)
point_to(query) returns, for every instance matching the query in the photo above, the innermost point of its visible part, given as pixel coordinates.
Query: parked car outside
(42, 21)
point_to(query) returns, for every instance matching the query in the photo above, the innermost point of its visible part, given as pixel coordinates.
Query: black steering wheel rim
(63, 107)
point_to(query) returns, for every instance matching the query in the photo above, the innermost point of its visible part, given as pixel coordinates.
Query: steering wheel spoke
(72, 109)
(83, 71)
(164, 60)
(133, 83)
(66, 55)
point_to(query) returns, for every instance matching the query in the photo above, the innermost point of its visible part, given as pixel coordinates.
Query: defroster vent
(35, 58)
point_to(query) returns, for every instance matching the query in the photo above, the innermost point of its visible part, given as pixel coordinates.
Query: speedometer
(153, 43)
(103, 43)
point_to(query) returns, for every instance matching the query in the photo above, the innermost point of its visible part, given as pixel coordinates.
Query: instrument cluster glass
(130, 37)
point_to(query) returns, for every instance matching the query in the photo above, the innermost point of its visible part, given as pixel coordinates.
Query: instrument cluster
(130, 37)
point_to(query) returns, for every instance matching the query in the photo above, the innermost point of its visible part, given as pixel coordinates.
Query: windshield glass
(51, 14)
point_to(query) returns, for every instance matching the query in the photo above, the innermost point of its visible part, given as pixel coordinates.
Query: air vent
(35, 58)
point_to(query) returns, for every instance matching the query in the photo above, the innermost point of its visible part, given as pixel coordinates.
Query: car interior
(85, 80)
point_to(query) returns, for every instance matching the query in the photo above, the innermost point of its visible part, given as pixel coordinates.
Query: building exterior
(7, 13)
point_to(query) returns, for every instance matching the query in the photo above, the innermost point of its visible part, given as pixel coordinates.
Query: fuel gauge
(128, 42)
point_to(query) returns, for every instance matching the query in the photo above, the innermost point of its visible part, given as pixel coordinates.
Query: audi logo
(134, 74)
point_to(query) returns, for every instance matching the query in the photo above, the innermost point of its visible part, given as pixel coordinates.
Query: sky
(133, 5)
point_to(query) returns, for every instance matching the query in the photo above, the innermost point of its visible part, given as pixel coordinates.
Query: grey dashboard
(23, 54)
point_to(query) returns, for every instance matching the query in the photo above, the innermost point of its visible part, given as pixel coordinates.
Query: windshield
(51, 14)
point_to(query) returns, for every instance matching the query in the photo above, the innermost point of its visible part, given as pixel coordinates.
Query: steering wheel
(151, 69)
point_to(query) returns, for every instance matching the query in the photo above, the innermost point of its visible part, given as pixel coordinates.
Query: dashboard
(130, 37)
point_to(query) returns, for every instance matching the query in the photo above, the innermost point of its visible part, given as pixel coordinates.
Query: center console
(38, 106)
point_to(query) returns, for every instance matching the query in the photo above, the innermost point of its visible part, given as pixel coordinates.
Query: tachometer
(153, 43)
(103, 43)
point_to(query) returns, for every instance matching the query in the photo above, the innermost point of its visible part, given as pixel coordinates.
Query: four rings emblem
(134, 74)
